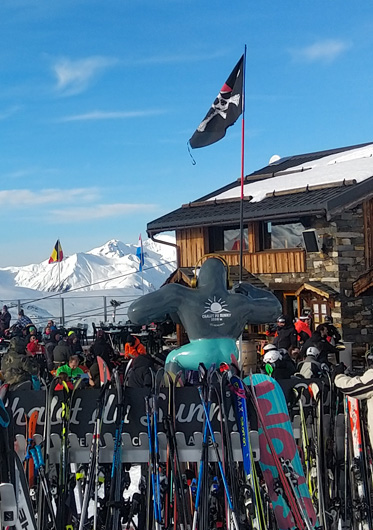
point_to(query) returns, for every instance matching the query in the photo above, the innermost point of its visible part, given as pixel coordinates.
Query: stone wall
(338, 266)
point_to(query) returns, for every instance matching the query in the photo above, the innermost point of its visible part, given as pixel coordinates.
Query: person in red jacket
(133, 347)
(33, 346)
(302, 327)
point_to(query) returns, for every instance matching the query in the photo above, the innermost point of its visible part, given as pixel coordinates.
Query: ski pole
(151, 462)
(156, 457)
(200, 475)
(40, 470)
(215, 445)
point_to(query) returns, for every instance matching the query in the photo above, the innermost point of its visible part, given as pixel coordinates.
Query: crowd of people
(35, 357)
(297, 351)
(294, 350)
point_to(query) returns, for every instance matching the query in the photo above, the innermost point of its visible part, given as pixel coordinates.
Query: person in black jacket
(278, 364)
(74, 343)
(5, 319)
(333, 333)
(61, 353)
(286, 336)
(101, 348)
(319, 339)
(140, 374)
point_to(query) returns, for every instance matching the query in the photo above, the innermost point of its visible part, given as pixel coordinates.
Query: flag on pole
(57, 254)
(140, 254)
(224, 112)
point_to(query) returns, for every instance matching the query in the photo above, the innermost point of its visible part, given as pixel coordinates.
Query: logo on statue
(216, 310)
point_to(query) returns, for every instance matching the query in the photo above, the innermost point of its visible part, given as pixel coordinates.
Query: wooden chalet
(308, 234)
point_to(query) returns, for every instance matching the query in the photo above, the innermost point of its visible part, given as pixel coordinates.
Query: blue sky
(99, 98)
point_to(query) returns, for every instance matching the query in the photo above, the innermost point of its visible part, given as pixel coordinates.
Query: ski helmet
(269, 347)
(313, 351)
(281, 319)
(272, 356)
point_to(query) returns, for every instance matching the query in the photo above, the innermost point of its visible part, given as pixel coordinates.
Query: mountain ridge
(107, 271)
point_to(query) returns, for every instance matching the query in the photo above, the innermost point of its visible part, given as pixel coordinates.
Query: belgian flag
(57, 254)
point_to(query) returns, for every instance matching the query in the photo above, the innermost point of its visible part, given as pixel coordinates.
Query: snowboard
(272, 403)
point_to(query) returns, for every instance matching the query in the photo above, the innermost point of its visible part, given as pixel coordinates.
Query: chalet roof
(323, 182)
(319, 288)
(321, 200)
(282, 165)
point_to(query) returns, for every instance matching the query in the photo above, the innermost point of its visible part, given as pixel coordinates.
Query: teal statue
(213, 316)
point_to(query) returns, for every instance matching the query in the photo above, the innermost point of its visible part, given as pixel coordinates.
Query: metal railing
(68, 311)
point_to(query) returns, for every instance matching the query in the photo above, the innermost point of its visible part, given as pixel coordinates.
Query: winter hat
(304, 317)
(130, 340)
(71, 332)
(313, 351)
(272, 356)
(281, 318)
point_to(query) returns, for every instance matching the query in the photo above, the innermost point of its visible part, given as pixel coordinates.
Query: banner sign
(189, 410)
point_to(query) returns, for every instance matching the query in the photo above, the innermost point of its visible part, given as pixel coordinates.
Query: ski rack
(139, 453)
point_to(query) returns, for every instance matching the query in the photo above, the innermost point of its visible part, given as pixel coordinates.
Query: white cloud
(21, 198)
(73, 77)
(113, 115)
(67, 205)
(325, 50)
(98, 211)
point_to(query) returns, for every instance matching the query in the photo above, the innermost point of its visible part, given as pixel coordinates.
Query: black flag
(223, 113)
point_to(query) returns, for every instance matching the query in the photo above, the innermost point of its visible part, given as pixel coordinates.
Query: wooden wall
(193, 244)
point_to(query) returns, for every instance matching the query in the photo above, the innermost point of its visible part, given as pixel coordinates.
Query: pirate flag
(223, 113)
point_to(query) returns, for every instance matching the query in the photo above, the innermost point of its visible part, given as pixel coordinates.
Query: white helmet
(313, 351)
(272, 356)
(269, 347)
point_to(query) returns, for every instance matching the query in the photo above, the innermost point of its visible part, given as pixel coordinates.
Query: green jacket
(71, 372)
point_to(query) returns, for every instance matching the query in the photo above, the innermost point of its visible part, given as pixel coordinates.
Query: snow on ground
(354, 164)
(89, 280)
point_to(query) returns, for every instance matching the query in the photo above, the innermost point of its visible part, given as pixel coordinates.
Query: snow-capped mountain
(85, 279)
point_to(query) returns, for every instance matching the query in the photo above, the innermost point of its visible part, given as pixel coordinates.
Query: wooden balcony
(193, 244)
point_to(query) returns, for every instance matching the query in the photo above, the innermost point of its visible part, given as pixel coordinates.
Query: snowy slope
(88, 280)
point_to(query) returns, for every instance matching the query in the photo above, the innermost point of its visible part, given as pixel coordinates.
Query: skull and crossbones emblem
(220, 106)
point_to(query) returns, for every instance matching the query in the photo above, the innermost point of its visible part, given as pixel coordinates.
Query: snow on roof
(354, 164)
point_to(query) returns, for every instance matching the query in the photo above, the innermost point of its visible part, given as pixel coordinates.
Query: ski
(361, 505)
(252, 495)
(295, 518)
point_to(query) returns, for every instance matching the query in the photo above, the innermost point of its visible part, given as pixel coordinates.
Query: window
(279, 235)
(320, 310)
(224, 238)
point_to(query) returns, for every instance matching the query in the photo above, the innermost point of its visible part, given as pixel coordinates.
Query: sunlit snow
(355, 164)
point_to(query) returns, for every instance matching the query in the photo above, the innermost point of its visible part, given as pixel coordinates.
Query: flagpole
(242, 169)
(62, 319)
(242, 196)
